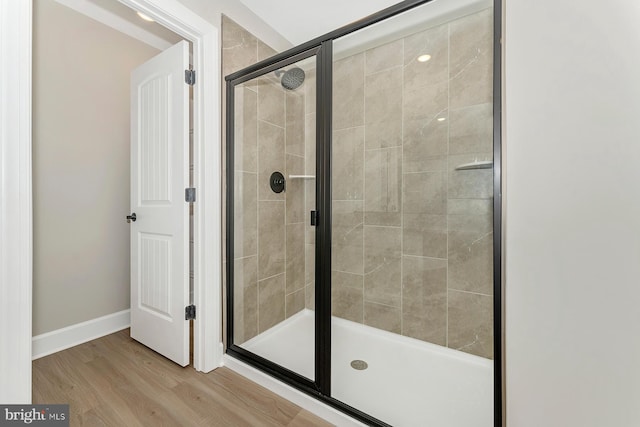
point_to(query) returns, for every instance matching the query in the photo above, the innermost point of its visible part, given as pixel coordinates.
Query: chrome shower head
(292, 78)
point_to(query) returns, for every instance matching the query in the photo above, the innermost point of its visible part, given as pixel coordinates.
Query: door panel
(159, 174)
(273, 195)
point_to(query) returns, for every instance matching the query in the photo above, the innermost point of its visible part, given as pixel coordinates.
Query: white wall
(81, 153)
(572, 143)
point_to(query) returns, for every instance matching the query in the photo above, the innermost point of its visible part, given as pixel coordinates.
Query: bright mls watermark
(36, 415)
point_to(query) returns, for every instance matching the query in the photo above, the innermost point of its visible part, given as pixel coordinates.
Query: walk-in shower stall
(363, 216)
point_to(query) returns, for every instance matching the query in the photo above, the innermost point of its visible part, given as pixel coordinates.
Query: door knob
(131, 217)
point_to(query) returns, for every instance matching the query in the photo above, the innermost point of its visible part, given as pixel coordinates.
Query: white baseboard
(301, 399)
(61, 339)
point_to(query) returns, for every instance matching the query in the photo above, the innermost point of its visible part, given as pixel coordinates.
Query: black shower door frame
(322, 49)
(321, 385)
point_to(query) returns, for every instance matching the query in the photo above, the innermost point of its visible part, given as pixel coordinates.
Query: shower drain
(360, 365)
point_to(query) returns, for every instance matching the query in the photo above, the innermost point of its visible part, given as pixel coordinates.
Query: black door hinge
(190, 195)
(190, 312)
(314, 218)
(190, 77)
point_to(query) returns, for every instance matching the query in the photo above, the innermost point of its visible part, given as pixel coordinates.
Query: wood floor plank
(306, 418)
(116, 381)
(215, 409)
(104, 415)
(144, 397)
(102, 386)
(64, 380)
(272, 408)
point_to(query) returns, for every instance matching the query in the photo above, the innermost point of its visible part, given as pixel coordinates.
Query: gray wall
(81, 74)
(572, 200)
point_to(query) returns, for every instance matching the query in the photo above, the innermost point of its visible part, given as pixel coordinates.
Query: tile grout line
(401, 190)
(304, 192)
(348, 128)
(284, 219)
(382, 226)
(258, 200)
(470, 292)
(424, 257)
(383, 304)
(447, 177)
(272, 124)
(364, 175)
(272, 201)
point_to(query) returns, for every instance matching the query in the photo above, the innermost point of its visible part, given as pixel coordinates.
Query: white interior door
(159, 175)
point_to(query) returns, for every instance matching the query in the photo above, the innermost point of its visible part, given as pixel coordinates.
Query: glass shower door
(273, 241)
(412, 267)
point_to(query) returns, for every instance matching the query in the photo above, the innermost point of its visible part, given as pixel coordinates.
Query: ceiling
(297, 21)
(130, 15)
(302, 20)
(124, 19)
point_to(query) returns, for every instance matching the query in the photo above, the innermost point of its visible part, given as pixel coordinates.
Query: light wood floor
(115, 381)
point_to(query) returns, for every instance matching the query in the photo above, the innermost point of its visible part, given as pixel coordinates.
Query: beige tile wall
(412, 237)
(269, 251)
(309, 186)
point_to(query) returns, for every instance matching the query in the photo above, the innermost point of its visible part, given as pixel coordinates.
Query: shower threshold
(406, 382)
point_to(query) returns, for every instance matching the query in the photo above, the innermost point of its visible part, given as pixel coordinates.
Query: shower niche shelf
(484, 164)
(302, 176)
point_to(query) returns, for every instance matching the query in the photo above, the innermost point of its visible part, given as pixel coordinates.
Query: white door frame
(16, 190)
(15, 201)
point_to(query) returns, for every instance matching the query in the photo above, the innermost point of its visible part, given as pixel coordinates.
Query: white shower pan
(407, 382)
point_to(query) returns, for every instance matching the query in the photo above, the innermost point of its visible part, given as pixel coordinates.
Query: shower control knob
(277, 182)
